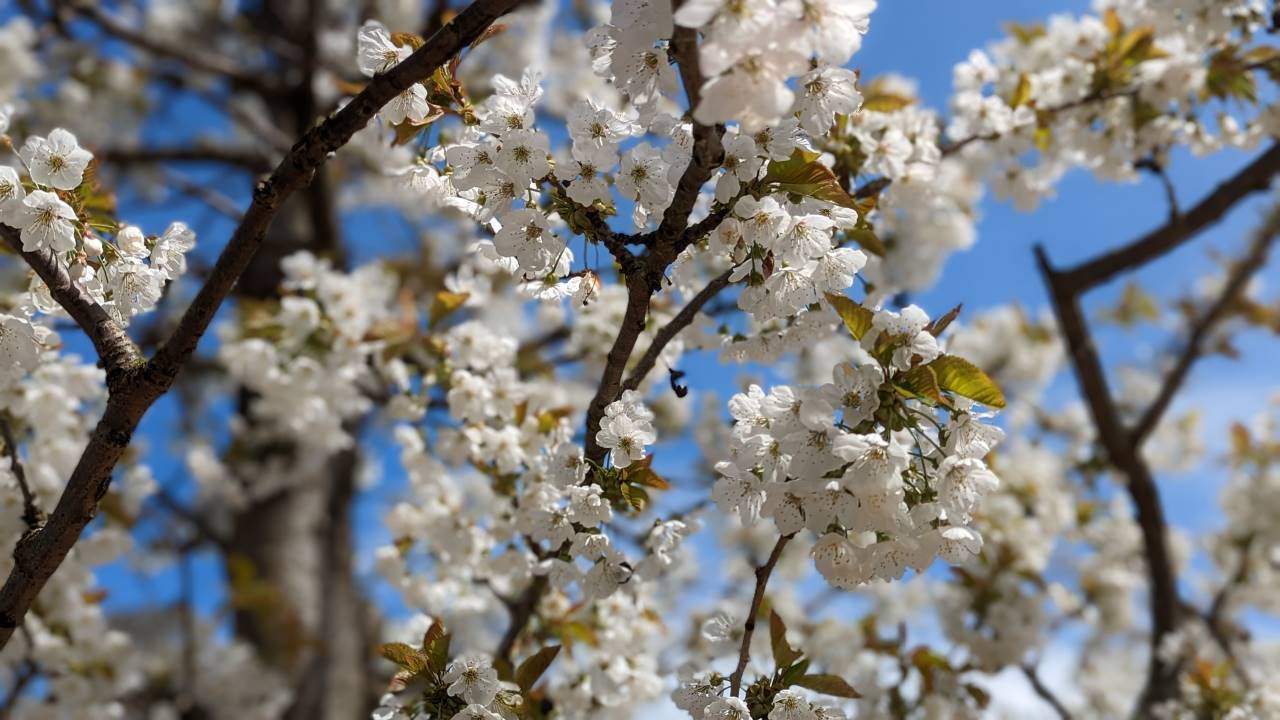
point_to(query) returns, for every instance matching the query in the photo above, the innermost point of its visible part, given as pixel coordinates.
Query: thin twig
(32, 515)
(194, 59)
(247, 158)
(749, 627)
(1045, 693)
(201, 525)
(522, 610)
(1091, 98)
(26, 672)
(215, 200)
(1241, 272)
(673, 328)
(1170, 193)
(1213, 617)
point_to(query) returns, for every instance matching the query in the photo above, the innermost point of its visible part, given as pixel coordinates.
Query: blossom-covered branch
(117, 352)
(40, 553)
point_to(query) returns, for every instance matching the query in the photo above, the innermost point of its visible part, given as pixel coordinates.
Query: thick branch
(669, 331)
(707, 150)
(1255, 177)
(1241, 272)
(1122, 454)
(633, 322)
(116, 351)
(749, 627)
(40, 553)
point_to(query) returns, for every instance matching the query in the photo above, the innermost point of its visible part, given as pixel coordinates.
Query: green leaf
(965, 379)
(930, 664)
(404, 656)
(922, 382)
(1021, 93)
(1229, 77)
(534, 666)
(433, 633)
(802, 174)
(635, 496)
(438, 652)
(549, 420)
(856, 317)
(641, 473)
(783, 654)
(1111, 19)
(885, 102)
(939, 324)
(828, 685)
(408, 130)
(1025, 34)
(445, 303)
(788, 677)
(1136, 305)
(867, 239)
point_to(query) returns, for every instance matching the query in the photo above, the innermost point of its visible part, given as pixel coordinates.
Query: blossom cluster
(880, 482)
(126, 275)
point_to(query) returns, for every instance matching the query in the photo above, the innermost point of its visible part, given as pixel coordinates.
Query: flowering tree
(601, 195)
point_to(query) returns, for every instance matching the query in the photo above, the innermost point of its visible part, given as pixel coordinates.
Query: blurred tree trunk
(298, 541)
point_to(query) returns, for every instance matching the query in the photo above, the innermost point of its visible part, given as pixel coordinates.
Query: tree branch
(1241, 272)
(1254, 177)
(194, 59)
(749, 627)
(522, 610)
(1152, 166)
(31, 513)
(201, 152)
(1122, 454)
(1045, 693)
(707, 150)
(633, 322)
(40, 553)
(117, 353)
(669, 331)
(1213, 617)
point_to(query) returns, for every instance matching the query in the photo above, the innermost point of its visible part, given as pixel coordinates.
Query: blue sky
(921, 39)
